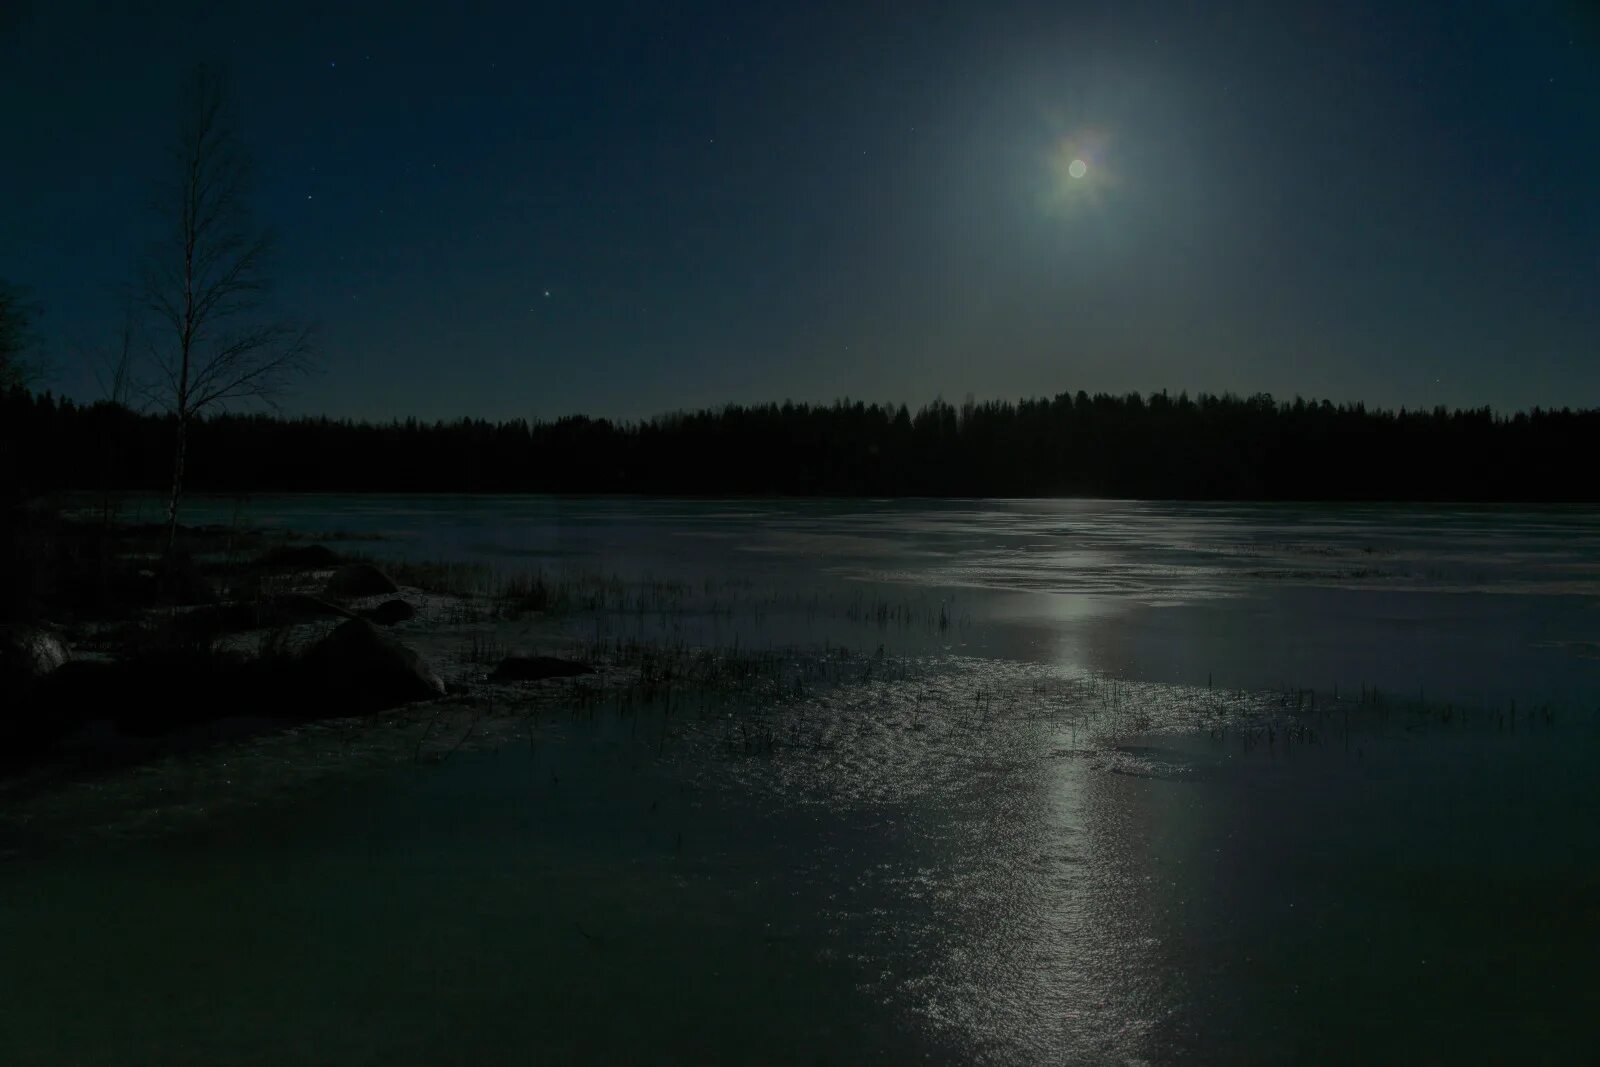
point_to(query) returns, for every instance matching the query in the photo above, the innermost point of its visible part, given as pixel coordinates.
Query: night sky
(529, 211)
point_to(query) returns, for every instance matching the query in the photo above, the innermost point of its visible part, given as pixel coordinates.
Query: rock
(288, 609)
(359, 579)
(166, 691)
(304, 557)
(213, 620)
(363, 669)
(303, 607)
(179, 582)
(390, 612)
(28, 654)
(533, 668)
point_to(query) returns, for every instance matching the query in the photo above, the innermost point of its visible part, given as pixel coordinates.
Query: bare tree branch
(206, 282)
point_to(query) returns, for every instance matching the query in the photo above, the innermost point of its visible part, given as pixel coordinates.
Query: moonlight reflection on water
(991, 807)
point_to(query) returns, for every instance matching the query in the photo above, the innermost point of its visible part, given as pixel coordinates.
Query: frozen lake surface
(1068, 799)
(1472, 603)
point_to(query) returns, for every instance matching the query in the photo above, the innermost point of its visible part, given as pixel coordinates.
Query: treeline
(1206, 447)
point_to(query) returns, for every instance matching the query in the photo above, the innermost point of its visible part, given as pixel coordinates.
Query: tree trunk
(177, 483)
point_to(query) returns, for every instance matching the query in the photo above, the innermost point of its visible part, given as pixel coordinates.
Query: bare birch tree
(113, 371)
(214, 341)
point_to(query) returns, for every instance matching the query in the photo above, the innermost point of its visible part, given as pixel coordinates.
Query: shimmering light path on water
(1031, 835)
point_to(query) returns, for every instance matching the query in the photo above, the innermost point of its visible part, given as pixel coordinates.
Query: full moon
(1077, 168)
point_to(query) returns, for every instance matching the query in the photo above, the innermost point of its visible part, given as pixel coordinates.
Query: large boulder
(33, 663)
(390, 612)
(303, 557)
(536, 668)
(28, 655)
(161, 691)
(360, 579)
(303, 607)
(288, 609)
(359, 668)
(180, 582)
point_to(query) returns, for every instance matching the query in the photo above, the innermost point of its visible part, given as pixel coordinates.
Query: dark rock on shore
(212, 620)
(178, 688)
(535, 668)
(303, 607)
(305, 557)
(157, 693)
(181, 583)
(359, 579)
(359, 668)
(28, 654)
(390, 612)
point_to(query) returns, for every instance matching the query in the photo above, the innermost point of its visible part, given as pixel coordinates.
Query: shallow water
(1042, 835)
(1470, 603)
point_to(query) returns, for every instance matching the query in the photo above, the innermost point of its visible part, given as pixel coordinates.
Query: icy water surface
(1481, 603)
(1062, 794)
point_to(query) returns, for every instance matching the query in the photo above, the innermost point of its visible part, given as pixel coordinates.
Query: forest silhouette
(1222, 447)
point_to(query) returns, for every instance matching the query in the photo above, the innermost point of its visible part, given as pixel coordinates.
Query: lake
(1057, 781)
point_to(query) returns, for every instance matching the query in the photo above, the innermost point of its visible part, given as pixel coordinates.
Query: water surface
(1074, 804)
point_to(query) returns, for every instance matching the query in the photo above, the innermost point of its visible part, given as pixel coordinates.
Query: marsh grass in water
(503, 593)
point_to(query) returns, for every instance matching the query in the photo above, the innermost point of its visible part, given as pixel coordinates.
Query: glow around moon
(1076, 177)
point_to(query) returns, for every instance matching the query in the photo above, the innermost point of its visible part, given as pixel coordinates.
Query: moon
(1067, 186)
